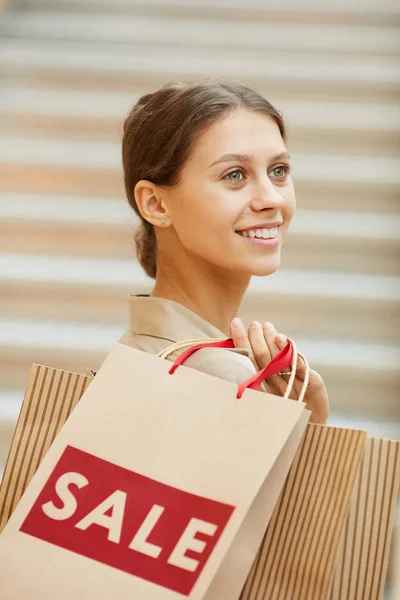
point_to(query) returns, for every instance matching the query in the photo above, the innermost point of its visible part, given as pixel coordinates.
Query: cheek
(195, 222)
(203, 211)
(196, 217)
(290, 206)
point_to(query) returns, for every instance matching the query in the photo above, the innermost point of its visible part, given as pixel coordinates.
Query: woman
(207, 171)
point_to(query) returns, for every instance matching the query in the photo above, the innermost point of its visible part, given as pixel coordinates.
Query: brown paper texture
(50, 396)
(299, 549)
(229, 464)
(47, 406)
(363, 555)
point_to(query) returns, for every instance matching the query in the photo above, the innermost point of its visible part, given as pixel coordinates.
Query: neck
(213, 295)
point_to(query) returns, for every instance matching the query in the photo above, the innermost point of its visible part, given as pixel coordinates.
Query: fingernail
(255, 324)
(268, 325)
(281, 339)
(236, 323)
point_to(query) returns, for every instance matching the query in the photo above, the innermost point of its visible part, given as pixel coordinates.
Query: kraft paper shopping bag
(329, 536)
(50, 396)
(298, 553)
(52, 393)
(152, 487)
(362, 560)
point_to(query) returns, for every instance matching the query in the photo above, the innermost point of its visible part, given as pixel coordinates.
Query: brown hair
(159, 134)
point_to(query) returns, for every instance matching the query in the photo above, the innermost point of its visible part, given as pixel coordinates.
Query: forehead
(244, 132)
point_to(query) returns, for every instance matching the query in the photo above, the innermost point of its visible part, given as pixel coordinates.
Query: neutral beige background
(70, 70)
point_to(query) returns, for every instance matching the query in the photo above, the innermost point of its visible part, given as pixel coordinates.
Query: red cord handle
(185, 355)
(282, 361)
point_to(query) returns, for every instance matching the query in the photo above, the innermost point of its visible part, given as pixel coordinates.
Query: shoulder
(146, 343)
(232, 365)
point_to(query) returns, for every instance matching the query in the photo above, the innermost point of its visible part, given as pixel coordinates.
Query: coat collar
(167, 319)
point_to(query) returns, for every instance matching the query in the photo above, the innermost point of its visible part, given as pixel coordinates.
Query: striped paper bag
(363, 556)
(50, 396)
(306, 553)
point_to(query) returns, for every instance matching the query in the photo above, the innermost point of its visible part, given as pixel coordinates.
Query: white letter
(116, 501)
(188, 542)
(139, 542)
(70, 503)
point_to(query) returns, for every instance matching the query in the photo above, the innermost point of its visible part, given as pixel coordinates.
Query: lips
(260, 226)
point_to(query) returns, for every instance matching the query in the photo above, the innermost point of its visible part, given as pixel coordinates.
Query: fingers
(270, 335)
(261, 340)
(281, 341)
(300, 369)
(239, 334)
(261, 351)
(276, 383)
(264, 343)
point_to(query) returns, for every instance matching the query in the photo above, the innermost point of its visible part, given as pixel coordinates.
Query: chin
(266, 267)
(264, 272)
(263, 266)
(260, 270)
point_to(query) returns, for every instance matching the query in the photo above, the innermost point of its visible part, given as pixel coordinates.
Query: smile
(263, 237)
(265, 234)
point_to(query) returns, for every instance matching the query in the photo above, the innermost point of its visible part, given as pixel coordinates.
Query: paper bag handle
(285, 358)
(228, 343)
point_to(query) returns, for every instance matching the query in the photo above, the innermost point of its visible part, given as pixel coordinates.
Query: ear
(150, 202)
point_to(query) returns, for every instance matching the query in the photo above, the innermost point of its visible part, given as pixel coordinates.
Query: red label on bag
(125, 520)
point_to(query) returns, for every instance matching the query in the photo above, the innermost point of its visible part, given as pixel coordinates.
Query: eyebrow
(245, 158)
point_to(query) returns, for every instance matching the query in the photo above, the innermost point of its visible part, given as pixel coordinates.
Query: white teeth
(261, 233)
(273, 232)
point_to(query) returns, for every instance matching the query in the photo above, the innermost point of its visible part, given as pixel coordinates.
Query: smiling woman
(208, 173)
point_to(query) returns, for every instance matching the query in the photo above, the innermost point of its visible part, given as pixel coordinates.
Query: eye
(237, 176)
(281, 171)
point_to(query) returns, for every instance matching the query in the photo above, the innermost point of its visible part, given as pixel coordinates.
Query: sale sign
(127, 520)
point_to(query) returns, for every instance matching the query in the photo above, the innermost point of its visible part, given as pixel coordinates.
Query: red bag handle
(228, 343)
(281, 361)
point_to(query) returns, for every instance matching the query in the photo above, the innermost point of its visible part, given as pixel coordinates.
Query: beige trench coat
(156, 323)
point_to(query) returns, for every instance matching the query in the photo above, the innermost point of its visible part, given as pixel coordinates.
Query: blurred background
(70, 71)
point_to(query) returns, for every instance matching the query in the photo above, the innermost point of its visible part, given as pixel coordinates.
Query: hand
(264, 343)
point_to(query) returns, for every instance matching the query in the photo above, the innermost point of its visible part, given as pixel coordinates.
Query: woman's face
(235, 197)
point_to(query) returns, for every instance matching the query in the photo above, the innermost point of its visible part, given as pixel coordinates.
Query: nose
(266, 196)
